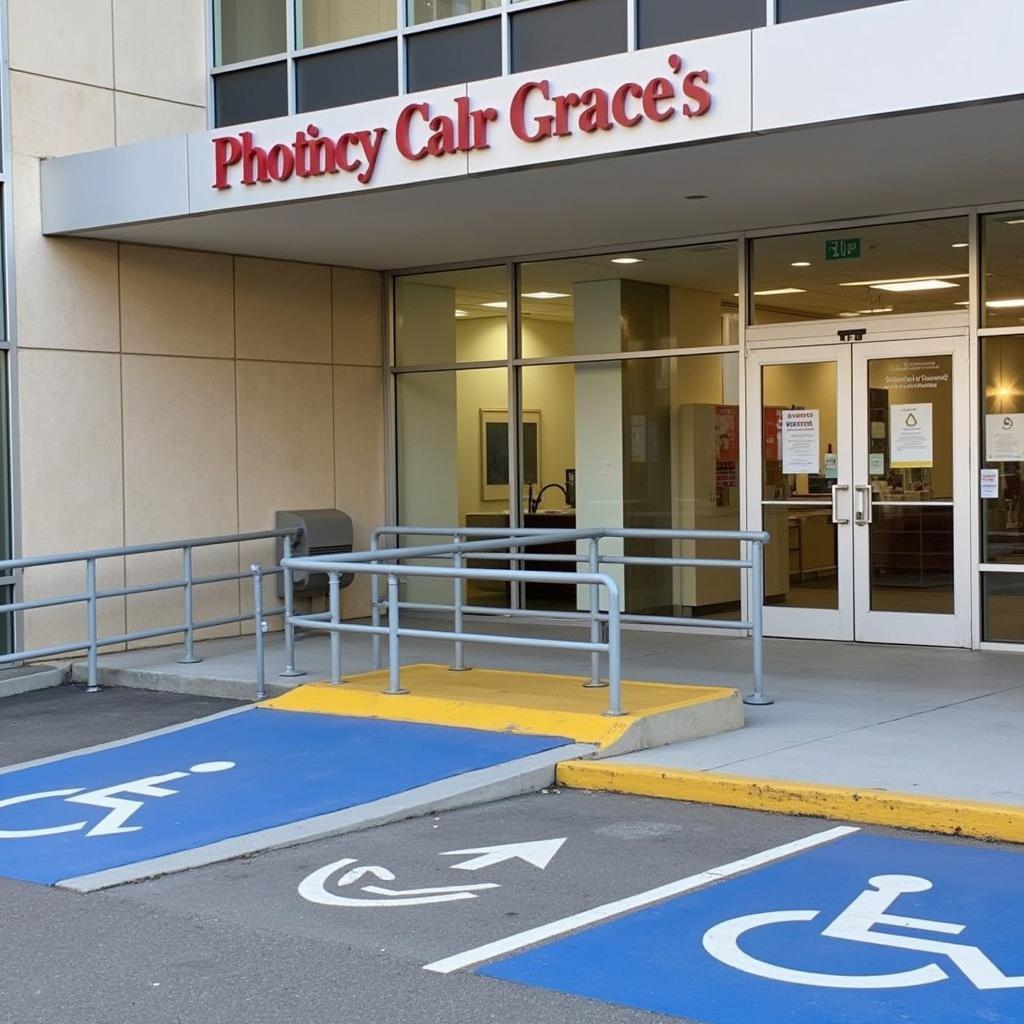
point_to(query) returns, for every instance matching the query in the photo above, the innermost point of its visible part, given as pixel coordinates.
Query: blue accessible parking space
(219, 779)
(864, 930)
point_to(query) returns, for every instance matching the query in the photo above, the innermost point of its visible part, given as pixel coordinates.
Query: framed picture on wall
(494, 452)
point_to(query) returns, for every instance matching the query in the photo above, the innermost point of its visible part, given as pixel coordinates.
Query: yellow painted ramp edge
(867, 806)
(361, 697)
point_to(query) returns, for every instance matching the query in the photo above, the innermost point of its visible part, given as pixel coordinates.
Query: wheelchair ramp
(243, 782)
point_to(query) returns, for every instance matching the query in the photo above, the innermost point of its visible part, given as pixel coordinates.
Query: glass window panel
(917, 267)
(650, 443)
(1003, 439)
(668, 21)
(912, 559)
(423, 11)
(459, 53)
(1003, 261)
(796, 10)
(330, 21)
(670, 298)
(352, 75)
(252, 94)
(548, 36)
(452, 432)
(456, 316)
(801, 562)
(247, 29)
(1003, 602)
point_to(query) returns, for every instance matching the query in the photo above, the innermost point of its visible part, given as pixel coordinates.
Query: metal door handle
(863, 508)
(838, 489)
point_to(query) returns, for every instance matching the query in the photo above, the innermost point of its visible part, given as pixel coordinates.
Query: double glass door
(860, 474)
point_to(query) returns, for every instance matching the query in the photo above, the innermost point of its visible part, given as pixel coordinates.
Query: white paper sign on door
(910, 433)
(801, 450)
(1004, 437)
(990, 483)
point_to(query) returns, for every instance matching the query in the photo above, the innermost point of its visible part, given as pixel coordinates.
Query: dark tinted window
(352, 75)
(252, 94)
(670, 21)
(463, 53)
(794, 10)
(547, 36)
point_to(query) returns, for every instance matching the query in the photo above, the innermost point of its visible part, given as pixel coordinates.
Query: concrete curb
(946, 816)
(31, 677)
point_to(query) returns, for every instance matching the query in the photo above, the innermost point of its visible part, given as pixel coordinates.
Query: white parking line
(532, 936)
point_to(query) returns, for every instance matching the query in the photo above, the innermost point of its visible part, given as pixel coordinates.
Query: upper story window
(796, 10)
(247, 29)
(423, 11)
(333, 21)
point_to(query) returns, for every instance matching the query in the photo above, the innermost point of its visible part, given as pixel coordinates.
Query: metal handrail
(510, 545)
(187, 583)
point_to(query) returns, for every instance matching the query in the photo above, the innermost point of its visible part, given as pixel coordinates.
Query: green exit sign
(842, 249)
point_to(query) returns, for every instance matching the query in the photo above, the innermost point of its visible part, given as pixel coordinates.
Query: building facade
(642, 263)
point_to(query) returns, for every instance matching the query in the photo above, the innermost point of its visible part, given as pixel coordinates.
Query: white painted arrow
(539, 854)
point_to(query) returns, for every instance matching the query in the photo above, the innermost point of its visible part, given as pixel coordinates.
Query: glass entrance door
(910, 492)
(860, 474)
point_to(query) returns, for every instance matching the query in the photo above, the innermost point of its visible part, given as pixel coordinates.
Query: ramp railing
(512, 547)
(92, 594)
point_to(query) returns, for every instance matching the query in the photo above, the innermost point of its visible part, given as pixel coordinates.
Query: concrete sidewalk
(936, 722)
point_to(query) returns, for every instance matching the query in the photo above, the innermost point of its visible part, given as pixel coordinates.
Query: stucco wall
(165, 393)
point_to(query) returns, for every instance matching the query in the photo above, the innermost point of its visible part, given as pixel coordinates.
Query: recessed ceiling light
(782, 291)
(494, 305)
(627, 260)
(964, 303)
(1016, 220)
(961, 245)
(800, 263)
(915, 286)
(460, 313)
(849, 314)
(1005, 304)
(546, 295)
(902, 280)
(877, 309)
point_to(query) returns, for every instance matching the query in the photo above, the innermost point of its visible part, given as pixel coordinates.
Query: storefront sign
(910, 432)
(800, 441)
(1004, 437)
(537, 112)
(842, 249)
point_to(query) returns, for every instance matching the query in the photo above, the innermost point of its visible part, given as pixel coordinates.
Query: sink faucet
(534, 502)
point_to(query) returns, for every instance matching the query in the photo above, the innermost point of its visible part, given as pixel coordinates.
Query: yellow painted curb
(517, 702)
(868, 806)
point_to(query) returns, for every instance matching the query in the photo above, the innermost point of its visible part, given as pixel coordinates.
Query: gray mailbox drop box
(321, 531)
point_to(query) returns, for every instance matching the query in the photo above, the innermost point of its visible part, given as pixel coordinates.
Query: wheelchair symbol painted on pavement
(856, 924)
(119, 810)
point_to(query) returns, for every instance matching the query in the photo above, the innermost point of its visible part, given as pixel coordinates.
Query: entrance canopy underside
(940, 159)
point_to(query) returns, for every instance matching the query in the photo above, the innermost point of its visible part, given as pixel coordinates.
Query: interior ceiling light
(494, 305)
(1005, 304)
(800, 263)
(961, 245)
(546, 295)
(964, 303)
(902, 280)
(877, 309)
(627, 260)
(931, 285)
(1016, 220)
(782, 291)
(460, 313)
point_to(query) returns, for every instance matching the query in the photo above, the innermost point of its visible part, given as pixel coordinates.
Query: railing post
(260, 626)
(595, 615)
(91, 620)
(614, 655)
(189, 608)
(378, 657)
(458, 562)
(758, 697)
(290, 671)
(335, 592)
(394, 658)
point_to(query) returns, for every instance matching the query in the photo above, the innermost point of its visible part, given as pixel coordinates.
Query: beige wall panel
(63, 39)
(282, 311)
(285, 451)
(176, 302)
(67, 287)
(54, 118)
(359, 458)
(180, 481)
(358, 327)
(139, 118)
(160, 49)
(71, 481)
